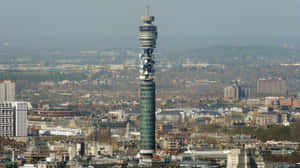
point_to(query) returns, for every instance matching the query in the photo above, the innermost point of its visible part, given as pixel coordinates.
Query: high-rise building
(271, 87)
(147, 37)
(13, 118)
(248, 92)
(7, 90)
(233, 92)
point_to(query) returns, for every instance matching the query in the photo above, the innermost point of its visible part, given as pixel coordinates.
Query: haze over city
(189, 24)
(149, 84)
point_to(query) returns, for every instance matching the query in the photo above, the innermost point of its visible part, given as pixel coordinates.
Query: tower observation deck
(147, 37)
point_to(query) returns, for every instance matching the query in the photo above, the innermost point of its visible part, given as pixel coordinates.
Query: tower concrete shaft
(147, 37)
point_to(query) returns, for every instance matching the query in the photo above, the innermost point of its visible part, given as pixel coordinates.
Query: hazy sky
(94, 19)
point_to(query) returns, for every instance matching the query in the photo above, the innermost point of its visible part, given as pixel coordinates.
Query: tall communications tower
(147, 37)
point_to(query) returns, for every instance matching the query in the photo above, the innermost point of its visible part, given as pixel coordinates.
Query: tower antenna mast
(148, 10)
(147, 37)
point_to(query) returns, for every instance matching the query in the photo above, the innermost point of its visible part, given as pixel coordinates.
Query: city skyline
(220, 88)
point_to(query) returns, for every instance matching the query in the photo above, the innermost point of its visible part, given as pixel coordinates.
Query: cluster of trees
(274, 132)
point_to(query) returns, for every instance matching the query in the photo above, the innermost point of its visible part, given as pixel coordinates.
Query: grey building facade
(13, 118)
(7, 90)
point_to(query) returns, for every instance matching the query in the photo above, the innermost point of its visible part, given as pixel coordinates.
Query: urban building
(288, 102)
(58, 112)
(61, 131)
(239, 90)
(147, 37)
(296, 103)
(13, 117)
(233, 92)
(248, 92)
(265, 119)
(7, 90)
(271, 87)
(239, 158)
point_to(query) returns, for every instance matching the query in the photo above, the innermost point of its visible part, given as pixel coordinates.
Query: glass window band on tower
(147, 101)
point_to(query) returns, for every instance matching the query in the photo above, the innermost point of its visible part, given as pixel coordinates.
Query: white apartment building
(13, 118)
(7, 90)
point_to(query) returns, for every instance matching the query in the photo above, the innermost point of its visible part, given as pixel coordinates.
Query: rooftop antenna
(148, 10)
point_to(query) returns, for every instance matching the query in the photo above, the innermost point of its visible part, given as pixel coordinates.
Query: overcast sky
(93, 19)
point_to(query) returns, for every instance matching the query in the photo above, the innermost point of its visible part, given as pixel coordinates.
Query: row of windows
(147, 110)
(147, 114)
(145, 120)
(150, 89)
(147, 87)
(147, 146)
(147, 125)
(150, 141)
(147, 100)
(6, 120)
(147, 103)
(6, 112)
(148, 28)
(147, 106)
(148, 120)
(148, 135)
(147, 142)
(149, 94)
(147, 129)
(6, 129)
(147, 84)
(147, 97)
(148, 138)
(6, 134)
(143, 135)
(6, 105)
(147, 90)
